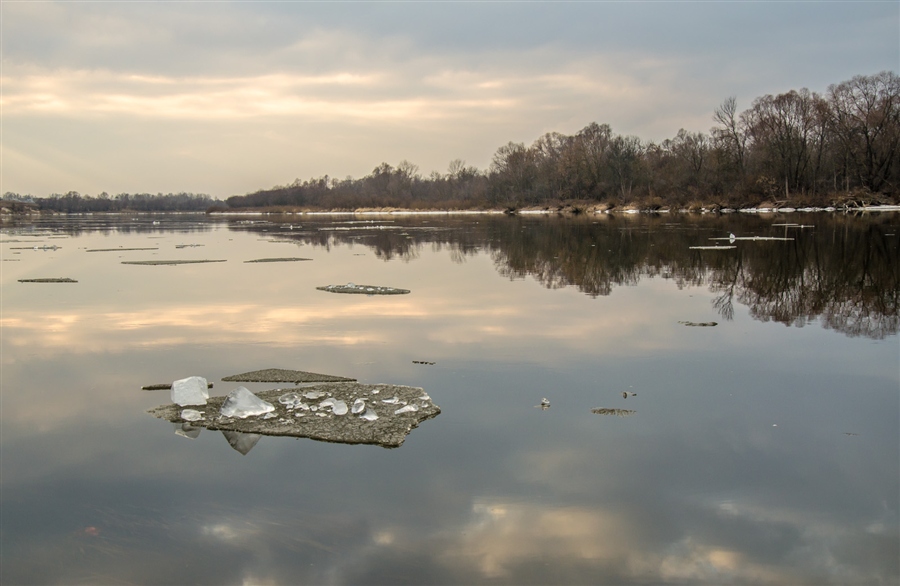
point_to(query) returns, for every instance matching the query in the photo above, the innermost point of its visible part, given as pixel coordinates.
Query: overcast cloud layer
(226, 98)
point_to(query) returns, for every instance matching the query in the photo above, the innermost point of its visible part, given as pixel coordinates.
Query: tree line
(73, 202)
(795, 148)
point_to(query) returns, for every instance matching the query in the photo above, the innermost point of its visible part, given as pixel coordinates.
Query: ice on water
(339, 408)
(290, 399)
(190, 391)
(241, 403)
(191, 415)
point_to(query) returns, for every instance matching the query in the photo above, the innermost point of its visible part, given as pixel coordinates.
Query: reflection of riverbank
(839, 268)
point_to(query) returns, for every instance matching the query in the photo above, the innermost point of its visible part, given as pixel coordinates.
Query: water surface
(764, 449)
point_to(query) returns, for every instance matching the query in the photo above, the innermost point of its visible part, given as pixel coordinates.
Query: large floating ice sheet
(241, 403)
(368, 422)
(280, 375)
(190, 391)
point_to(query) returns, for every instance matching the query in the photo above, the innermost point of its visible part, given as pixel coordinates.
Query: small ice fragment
(425, 397)
(391, 401)
(545, 402)
(358, 407)
(289, 399)
(314, 394)
(339, 408)
(376, 391)
(241, 403)
(299, 414)
(313, 408)
(406, 409)
(269, 415)
(322, 414)
(329, 402)
(191, 415)
(302, 406)
(190, 391)
(369, 415)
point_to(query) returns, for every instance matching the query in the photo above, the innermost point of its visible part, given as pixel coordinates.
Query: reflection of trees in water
(844, 271)
(76, 225)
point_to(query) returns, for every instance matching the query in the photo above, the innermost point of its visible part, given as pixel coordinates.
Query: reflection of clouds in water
(222, 532)
(500, 536)
(502, 541)
(448, 320)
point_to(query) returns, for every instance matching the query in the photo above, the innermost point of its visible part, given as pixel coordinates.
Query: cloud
(343, 88)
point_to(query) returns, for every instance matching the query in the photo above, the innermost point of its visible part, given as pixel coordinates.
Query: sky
(225, 98)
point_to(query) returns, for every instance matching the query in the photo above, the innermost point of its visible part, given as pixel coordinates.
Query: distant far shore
(7, 211)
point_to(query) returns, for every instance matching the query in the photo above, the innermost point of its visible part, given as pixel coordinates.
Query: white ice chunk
(190, 391)
(313, 394)
(268, 416)
(326, 403)
(241, 403)
(369, 415)
(191, 415)
(407, 409)
(358, 407)
(289, 399)
(339, 408)
(391, 401)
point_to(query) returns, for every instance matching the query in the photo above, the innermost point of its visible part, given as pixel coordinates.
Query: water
(763, 449)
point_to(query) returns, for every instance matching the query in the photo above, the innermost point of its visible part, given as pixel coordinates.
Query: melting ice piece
(369, 415)
(407, 409)
(314, 394)
(339, 408)
(269, 415)
(190, 391)
(191, 415)
(358, 407)
(289, 399)
(241, 403)
(326, 403)
(391, 401)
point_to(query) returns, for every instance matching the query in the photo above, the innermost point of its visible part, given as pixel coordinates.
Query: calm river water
(764, 449)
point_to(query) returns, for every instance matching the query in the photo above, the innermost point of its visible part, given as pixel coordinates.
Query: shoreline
(527, 211)
(563, 212)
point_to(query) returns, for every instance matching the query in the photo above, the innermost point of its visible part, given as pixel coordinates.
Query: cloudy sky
(225, 98)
